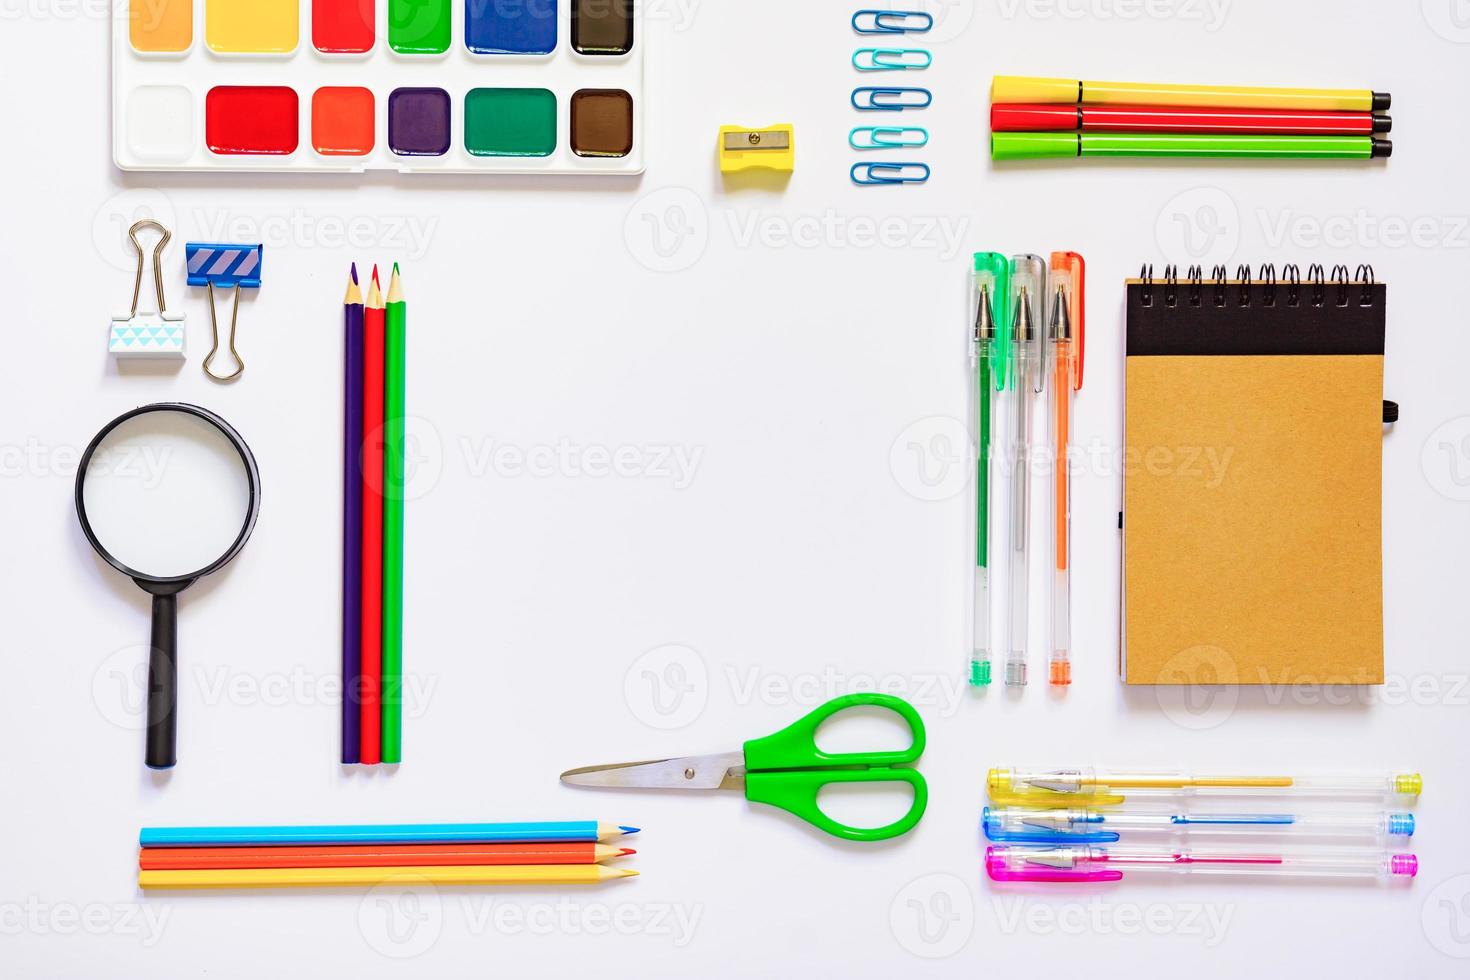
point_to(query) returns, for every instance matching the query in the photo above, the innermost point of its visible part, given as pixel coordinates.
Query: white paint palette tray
(348, 86)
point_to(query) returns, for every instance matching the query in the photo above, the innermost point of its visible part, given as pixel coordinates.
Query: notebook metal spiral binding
(1343, 283)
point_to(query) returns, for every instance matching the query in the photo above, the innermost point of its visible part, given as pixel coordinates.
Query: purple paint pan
(418, 122)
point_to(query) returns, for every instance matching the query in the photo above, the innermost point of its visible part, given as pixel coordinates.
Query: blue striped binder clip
(234, 267)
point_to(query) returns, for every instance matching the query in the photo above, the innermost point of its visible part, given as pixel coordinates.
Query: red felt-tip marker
(1018, 118)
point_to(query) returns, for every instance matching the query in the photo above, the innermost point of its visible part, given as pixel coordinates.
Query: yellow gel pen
(1103, 787)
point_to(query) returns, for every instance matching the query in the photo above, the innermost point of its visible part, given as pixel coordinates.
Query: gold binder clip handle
(214, 330)
(157, 262)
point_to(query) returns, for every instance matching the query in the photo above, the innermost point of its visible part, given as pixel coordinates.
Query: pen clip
(1029, 274)
(1040, 832)
(998, 866)
(1049, 798)
(1072, 265)
(993, 272)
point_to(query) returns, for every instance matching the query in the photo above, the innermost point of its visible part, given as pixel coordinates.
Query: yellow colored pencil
(528, 874)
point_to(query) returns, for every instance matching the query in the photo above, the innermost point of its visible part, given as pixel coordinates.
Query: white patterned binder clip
(154, 335)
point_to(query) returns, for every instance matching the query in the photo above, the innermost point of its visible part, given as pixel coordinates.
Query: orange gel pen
(1066, 333)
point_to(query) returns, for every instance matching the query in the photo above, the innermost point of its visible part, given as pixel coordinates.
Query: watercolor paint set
(415, 86)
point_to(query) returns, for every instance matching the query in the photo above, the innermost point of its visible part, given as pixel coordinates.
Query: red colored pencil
(372, 527)
(376, 855)
(1016, 118)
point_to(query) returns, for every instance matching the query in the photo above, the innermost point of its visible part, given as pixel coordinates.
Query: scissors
(786, 770)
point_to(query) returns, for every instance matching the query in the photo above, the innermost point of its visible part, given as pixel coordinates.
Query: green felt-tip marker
(1056, 146)
(394, 477)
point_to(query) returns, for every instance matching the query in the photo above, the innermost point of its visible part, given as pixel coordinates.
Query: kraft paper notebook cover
(1252, 521)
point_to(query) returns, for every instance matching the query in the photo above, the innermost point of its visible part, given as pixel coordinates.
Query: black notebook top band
(1260, 318)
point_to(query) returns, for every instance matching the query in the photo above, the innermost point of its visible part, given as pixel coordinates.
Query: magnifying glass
(167, 494)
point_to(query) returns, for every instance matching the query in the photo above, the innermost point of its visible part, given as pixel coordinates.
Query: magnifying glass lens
(166, 494)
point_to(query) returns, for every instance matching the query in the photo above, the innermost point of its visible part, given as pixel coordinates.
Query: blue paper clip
(890, 99)
(876, 172)
(886, 137)
(891, 21)
(891, 59)
(225, 266)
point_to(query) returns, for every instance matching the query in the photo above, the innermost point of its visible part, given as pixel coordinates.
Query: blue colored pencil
(352, 526)
(406, 833)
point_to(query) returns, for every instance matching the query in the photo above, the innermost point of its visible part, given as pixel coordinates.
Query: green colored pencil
(1035, 146)
(394, 477)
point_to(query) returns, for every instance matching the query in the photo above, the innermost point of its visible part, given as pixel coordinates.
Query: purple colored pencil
(352, 526)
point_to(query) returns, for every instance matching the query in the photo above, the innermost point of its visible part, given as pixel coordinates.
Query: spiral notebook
(1252, 521)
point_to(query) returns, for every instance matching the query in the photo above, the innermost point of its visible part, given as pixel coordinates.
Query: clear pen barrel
(1020, 529)
(1061, 517)
(1365, 827)
(1265, 863)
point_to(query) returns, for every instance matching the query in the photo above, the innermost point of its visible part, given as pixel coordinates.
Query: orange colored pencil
(376, 855)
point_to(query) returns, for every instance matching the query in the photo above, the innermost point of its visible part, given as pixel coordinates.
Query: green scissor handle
(788, 770)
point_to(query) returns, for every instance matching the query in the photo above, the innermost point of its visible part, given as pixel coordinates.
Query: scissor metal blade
(725, 770)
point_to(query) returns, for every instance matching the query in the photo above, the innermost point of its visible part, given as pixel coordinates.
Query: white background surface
(796, 564)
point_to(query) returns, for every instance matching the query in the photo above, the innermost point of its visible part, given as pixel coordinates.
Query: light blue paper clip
(876, 172)
(891, 99)
(887, 137)
(892, 21)
(891, 59)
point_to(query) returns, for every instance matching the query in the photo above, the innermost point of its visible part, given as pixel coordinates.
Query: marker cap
(1008, 117)
(1020, 88)
(1034, 146)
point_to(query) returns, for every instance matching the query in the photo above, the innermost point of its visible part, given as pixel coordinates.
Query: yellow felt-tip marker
(1020, 88)
(529, 874)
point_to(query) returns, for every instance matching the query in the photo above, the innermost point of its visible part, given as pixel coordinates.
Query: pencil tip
(627, 851)
(395, 268)
(354, 273)
(628, 873)
(375, 275)
(628, 830)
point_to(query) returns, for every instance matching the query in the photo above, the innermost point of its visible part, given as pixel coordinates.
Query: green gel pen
(990, 357)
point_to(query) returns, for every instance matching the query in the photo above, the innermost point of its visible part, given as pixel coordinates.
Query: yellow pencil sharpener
(772, 148)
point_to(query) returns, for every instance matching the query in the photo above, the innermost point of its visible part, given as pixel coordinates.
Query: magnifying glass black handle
(163, 679)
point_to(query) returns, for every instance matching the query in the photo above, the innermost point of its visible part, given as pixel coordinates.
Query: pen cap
(1012, 825)
(1042, 864)
(1022, 88)
(1009, 117)
(1034, 146)
(1029, 275)
(1070, 269)
(993, 272)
